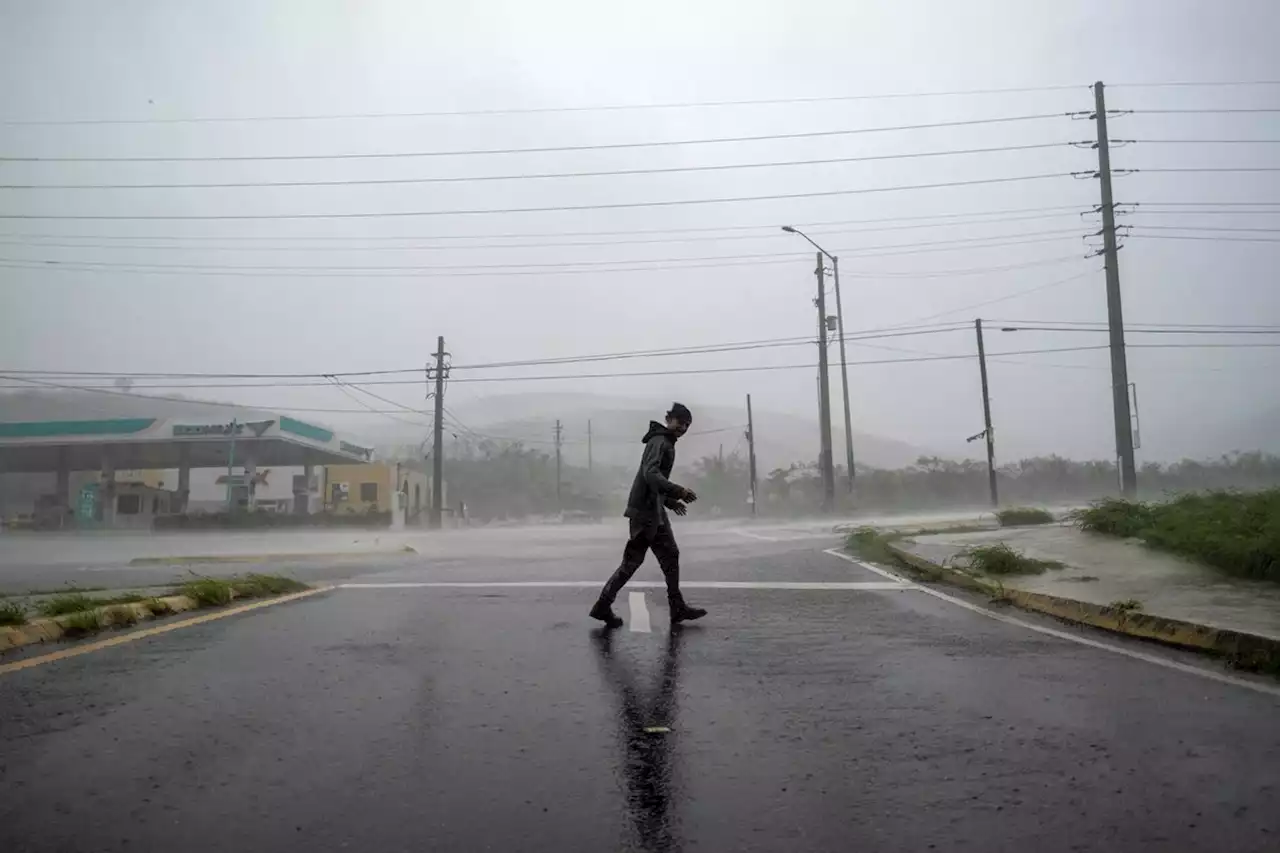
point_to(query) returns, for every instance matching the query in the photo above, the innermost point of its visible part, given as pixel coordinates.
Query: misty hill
(618, 423)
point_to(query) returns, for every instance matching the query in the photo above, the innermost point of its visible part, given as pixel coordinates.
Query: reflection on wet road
(461, 701)
(647, 730)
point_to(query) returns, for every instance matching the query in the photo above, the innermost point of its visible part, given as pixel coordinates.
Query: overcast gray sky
(201, 305)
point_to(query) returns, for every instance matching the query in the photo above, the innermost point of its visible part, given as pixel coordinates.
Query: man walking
(652, 495)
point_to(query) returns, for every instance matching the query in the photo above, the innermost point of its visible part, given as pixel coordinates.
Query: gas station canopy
(197, 440)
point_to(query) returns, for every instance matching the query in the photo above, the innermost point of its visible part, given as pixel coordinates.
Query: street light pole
(844, 375)
(844, 364)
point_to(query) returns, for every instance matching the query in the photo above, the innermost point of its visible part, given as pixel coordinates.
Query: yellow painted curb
(265, 558)
(1249, 651)
(159, 629)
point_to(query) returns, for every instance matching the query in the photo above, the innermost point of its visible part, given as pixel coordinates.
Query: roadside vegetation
(1002, 560)
(1126, 605)
(1019, 515)
(872, 543)
(1235, 532)
(80, 614)
(12, 613)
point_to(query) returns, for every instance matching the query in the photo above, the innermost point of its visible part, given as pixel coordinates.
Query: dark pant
(647, 536)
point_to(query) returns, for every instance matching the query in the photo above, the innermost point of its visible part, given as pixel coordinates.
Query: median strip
(151, 632)
(74, 614)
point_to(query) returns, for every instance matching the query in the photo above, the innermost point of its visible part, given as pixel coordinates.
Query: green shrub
(1126, 605)
(207, 592)
(59, 605)
(157, 606)
(1114, 517)
(12, 613)
(1003, 560)
(1236, 532)
(120, 616)
(81, 623)
(1024, 515)
(257, 586)
(869, 544)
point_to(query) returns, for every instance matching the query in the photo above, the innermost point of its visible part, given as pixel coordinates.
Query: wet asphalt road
(496, 718)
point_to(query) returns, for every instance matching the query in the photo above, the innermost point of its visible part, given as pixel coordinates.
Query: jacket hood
(656, 428)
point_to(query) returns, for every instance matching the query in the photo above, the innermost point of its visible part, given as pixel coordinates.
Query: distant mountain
(618, 424)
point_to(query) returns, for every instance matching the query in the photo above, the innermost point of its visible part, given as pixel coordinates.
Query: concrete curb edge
(1247, 651)
(56, 628)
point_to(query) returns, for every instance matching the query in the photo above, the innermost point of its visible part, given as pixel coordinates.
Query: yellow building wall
(356, 476)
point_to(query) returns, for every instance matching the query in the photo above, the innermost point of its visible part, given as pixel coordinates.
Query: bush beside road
(1236, 532)
(74, 613)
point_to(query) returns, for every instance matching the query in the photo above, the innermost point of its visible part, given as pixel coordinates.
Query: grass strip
(1020, 515)
(999, 560)
(1237, 533)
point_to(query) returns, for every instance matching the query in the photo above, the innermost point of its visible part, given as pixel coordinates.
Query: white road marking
(748, 534)
(1219, 677)
(639, 621)
(795, 585)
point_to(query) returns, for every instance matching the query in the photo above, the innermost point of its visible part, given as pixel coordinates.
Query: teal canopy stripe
(304, 429)
(53, 429)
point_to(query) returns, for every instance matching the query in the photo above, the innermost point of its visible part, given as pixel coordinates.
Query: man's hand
(679, 508)
(689, 496)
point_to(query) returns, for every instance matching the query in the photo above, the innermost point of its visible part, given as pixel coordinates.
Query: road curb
(210, 615)
(58, 627)
(1247, 651)
(189, 559)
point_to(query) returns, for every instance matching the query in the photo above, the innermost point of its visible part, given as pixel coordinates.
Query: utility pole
(437, 455)
(559, 499)
(986, 418)
(590, 464)
(824, 397)
(844, 375)
(1115, 315)
(231, 461)
(751, 455)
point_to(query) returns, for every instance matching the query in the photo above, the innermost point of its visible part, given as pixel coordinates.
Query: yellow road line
(151, 632)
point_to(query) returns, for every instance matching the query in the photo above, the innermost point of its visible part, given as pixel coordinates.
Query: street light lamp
(844, 364)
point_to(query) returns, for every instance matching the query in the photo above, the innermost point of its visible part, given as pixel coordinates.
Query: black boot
(603, 610)
(681, 612)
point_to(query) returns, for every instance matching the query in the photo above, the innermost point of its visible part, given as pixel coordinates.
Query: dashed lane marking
(1221, 678)
(639, 622)
(868, 586)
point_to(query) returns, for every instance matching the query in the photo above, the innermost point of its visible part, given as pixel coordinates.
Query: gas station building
(223, 437)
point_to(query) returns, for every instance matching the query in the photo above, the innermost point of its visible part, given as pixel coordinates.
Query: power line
(1012, 239)
(1205, 141)
(1223, 239)
(1206, 169)
(325, 379)
(1206, 111)
(529, 110)
(773, 232)
(602, 146)
(449, 179)
(1014, 295)
(1204, 228)
(773, 226)
(373, 272)
(1136, 331)
(548, 209)
(336, 384)
(1208, 83)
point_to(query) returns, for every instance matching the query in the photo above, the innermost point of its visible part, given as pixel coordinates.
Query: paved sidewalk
(1101, 570)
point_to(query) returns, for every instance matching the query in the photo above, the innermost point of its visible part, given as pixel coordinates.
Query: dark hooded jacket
(652, 492)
